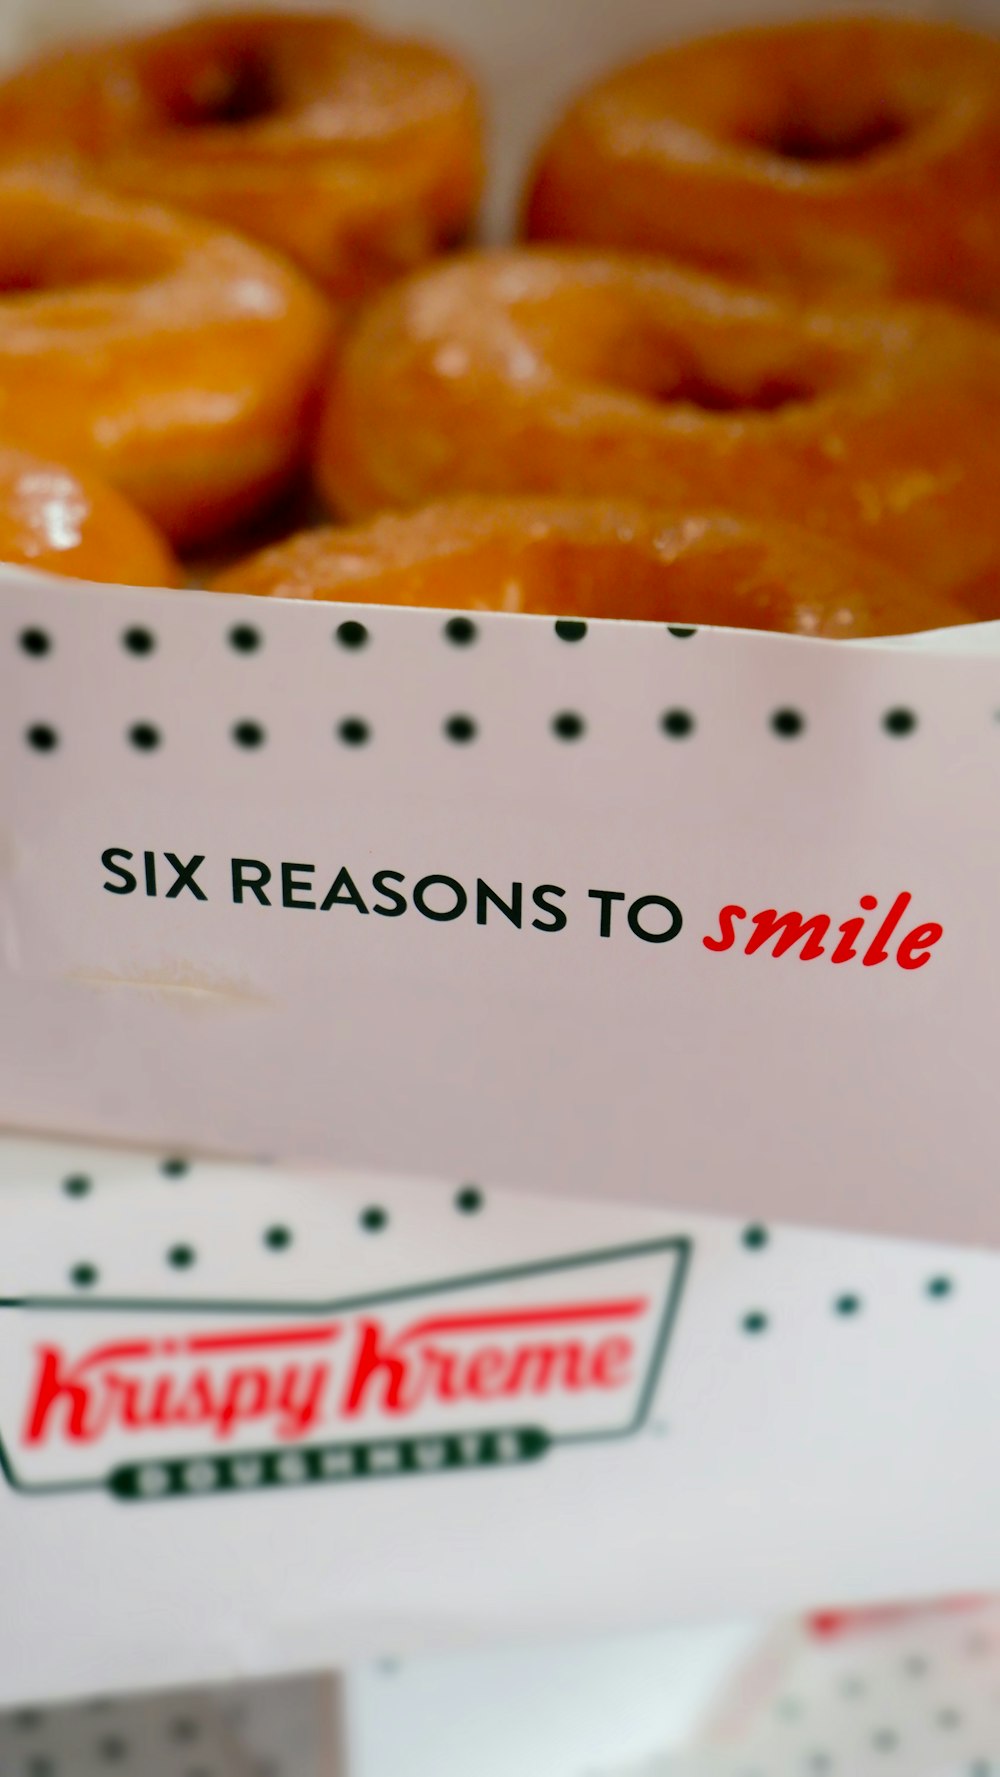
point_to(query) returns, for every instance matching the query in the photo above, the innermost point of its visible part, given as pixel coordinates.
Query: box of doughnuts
(518, 484)
(259, 1420)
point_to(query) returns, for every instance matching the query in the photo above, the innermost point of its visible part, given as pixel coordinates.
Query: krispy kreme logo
(158, 1400)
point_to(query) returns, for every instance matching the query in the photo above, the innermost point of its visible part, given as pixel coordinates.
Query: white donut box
(634, 1280)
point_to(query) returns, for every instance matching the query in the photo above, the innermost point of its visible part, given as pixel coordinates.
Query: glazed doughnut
(356, 154)
(65, 522)
(180, 363)
(563, 372)
(581, 558)
(859, 154)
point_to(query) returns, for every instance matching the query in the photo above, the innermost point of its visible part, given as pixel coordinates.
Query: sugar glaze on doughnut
(356, 154)
(579, 558)
(560, 371)
(859, 154)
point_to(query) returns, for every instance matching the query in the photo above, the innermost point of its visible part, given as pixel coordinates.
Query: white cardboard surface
(917, 1693)
(571, 1419)
(562, 1061)
(911, 1691)
(579, 1707)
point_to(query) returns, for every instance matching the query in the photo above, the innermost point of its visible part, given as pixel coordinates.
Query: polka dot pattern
(678, 724)
(276, 1726)
(899, 722)
(760, 1301)
(138, 640)
(568, 725)
(245, 638)
(249, 735)
(352, 635)
(469, 1200)
(756, 1237)
(144, 737)
(460, 729)
(755, 1322)
(788, 724)
(41, 737)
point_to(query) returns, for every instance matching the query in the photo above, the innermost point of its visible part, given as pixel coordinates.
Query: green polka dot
(77, 1185)
(847, 1305)
(899, 722)
(949, 1719)
(568, 725)
(820, 1763)
(570, 629)
(39, 1766)
(788, 723)
(351, 634)
(27, 1719)
(469, 1200)
(460, 729)
(788, 1708)
(35, 642)
(678, 724)
(244, 638)
(885, 1740)
(916, 1666)
(374, 1219)
(755, 1237)
(854, 1687)
(354, 732)
(144, 737)
(41, 737)
(939, 1287)
(681, 633)
(84, 1276)
(112, 1749)
(248, 734)
(460, 631)
(755, 1322)
(181, 1257)
(277, 1239)
(138, 640)
(174, 1167)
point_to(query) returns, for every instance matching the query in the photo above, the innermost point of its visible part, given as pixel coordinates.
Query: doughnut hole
(802, 137)
(225, 93)
(829, 110)
(680, 360)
